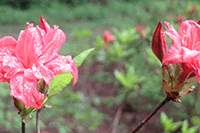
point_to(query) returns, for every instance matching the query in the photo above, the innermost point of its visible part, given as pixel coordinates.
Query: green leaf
(174, 126)
(62, 129)
(130, 72)
(82, 56)
(99, 42)
(193, 129)
(163, 117)
(185, 126)
(166, 122)
(195, 120)
(120, 77)
(60, 82)
(127, 52)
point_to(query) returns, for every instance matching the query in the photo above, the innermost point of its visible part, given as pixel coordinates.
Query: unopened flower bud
(158, 44)
(42, 87)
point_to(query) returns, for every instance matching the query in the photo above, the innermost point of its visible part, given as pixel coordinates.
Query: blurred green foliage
(142, 11)
(170, 126)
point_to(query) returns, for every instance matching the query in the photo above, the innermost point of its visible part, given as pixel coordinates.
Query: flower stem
(37, 121)
(167, 99)
(23, 127)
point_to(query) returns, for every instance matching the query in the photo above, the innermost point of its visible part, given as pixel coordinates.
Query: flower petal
(61, 64)
(53, 40)
(2, 78)
(25, 90)
(42, 72)
(29, 46)
(173, 34)
(186, 72)
(7, 45)
(44, 25)
(11, 66)
(189, 32)
(196, 68)
(180, 55)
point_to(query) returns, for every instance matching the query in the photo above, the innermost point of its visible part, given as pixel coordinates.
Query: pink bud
(158, 43)
(107, 37)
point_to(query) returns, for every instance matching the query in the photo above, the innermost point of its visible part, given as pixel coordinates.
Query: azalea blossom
(181, 63)
(34, 56)
(185, 48)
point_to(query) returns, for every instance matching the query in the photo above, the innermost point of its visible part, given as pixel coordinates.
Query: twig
(37, 121)
(23, 127)
(116, 119)
(167, 99)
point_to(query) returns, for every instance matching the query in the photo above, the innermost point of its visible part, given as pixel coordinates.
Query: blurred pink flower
(32, 57)
(142, 30)
(192, 9)
(180, 19)
(107, 37)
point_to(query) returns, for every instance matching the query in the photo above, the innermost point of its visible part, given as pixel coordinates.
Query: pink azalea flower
(31, 58)
(107, 37)
(185, 48)
(181, 63)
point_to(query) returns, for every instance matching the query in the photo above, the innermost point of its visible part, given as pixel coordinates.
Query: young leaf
(60, 82)
(185, 126)
(163, 117)
(193, 129)
(195, 120)
(127, 52)
(130, 72)
(82, 56)
(175, 126)
(166, 122)
(120, 77)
